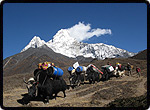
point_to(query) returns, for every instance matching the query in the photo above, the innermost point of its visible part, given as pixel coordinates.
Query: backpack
(119, 67)
(138, 69)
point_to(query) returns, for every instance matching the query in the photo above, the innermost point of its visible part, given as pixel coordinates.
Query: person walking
(138, 71)
(129, 69)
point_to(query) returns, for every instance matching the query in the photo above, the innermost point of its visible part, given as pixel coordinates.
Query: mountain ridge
(142, 55)
(66, 45)
(26, 61)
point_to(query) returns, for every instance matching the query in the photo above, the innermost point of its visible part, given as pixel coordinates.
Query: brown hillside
(88, 95)
(141, 55)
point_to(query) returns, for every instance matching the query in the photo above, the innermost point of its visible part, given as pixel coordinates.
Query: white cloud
(82, 31)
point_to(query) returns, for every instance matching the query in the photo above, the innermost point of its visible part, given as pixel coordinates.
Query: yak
(106, 75)
(77, 76)
(48, 86)
(45, 86)
(93, 74)
(76, 79)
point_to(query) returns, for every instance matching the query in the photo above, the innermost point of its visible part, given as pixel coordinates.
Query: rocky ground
(87, 95)
(128, 91)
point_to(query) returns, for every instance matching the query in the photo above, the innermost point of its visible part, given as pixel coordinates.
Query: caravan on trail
(48, 81)
(80, 74)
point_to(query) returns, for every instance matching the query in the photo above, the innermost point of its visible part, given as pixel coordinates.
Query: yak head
(73, 80)
(31, 86)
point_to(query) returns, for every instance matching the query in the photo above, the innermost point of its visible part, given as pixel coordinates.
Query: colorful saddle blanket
(45, 65)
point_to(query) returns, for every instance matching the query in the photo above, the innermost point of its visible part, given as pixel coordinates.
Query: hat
(117, 63)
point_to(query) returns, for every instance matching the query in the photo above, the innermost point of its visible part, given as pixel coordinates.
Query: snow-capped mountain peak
(35, 43)
(65, 44)
(62, 36)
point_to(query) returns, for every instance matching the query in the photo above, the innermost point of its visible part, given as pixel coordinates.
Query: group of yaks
(48, 81)
(80, 74)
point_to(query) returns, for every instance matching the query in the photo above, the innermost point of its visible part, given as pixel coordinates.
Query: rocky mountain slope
(27, 61)
(141, 55)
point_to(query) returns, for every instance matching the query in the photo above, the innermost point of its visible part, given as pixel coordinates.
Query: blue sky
(22, 21)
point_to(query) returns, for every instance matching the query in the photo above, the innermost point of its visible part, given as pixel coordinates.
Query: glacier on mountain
(64, 44)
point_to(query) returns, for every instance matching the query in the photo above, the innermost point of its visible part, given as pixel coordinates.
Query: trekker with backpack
(118, 66)
(138, 70)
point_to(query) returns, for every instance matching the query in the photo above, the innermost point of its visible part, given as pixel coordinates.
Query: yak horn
(24, 80)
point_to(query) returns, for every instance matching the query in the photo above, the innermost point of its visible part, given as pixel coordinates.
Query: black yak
(47, 86)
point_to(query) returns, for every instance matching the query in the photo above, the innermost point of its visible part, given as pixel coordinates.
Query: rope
(37, 82)
(97, 69)
(44, 80)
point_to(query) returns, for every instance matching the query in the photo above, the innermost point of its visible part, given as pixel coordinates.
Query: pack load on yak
(75, 65)
(80, 69)
(70, 69)
(108, 68)
(77, 68)
(51, 69)
(45, 65)
(56, 71)
(108, 71)
(92, 68)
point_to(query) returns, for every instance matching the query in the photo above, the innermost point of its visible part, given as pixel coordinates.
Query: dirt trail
(7, 62)
(80, 96)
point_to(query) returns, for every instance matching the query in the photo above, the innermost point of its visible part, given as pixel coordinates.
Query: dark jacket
(128, 67)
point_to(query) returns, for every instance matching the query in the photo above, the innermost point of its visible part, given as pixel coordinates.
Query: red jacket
(138, 69)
